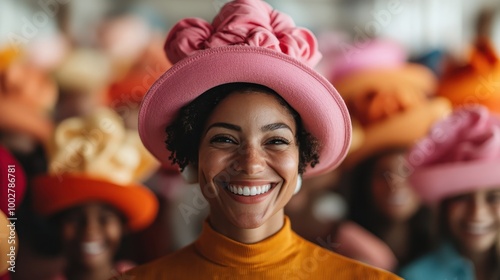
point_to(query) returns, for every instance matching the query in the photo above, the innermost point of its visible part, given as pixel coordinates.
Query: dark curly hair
(184, 133)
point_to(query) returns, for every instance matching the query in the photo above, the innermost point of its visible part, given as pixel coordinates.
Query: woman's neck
(252, 235)
(103, 272)
(396, 235)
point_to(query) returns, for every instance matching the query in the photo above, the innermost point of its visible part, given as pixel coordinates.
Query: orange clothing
(284, 255)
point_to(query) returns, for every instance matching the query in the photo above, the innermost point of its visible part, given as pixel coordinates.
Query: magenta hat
(250, 42)
(460, 154)
(13, 185)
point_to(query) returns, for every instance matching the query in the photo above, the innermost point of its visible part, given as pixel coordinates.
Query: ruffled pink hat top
(460, 154)
(245, 23)
(248, 42)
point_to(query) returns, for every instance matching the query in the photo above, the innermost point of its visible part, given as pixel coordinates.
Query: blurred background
(420, 25)
(65, 58)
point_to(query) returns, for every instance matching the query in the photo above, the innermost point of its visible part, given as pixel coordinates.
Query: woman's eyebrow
(224, 125)
(274, 126)
(265, 128)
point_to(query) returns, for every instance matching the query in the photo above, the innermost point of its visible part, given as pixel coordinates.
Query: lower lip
(249, 199)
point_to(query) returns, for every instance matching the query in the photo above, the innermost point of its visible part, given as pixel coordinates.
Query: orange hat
(389, 98)
(477, 81)
(96, 159)
(27, 96)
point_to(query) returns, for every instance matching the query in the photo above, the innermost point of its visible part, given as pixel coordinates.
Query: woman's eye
(106, 218)
(278, 141)
(461, 198)
(222, 139)
(494, 198)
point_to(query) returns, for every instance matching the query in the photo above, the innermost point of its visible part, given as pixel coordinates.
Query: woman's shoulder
(422, 268)
(161, 266)
(442, 263)
(331, 263)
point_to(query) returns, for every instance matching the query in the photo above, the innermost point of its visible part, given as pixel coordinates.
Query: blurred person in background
(456, 171)
(392, 103)
(92, 196)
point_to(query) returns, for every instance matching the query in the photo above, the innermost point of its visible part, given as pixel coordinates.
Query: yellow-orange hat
(390, 100)
(7, 56)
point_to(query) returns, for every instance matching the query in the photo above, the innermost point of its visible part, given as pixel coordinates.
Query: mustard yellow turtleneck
(283, 255)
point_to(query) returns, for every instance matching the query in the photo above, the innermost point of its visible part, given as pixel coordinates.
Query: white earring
(190, 174)
(299, 184)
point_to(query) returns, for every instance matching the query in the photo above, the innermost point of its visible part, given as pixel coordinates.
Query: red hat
(248, 41)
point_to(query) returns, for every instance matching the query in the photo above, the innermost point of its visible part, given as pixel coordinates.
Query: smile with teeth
(399, 198)
(93, 248)
(249, 190)
(477, 229)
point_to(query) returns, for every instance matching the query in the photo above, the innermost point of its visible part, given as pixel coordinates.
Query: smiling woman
(243, 107)
(458, 172)
(92, 193)
(244, 150)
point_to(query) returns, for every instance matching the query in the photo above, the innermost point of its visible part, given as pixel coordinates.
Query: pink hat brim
(323, 111)
(447, 180)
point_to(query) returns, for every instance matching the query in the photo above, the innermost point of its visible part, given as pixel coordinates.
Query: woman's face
(474, 220)
(91, 234)
(248, 160)
(392, 194)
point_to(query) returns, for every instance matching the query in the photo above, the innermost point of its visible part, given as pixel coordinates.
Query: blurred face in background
(474, 220)
(391, 192)
(91, 235)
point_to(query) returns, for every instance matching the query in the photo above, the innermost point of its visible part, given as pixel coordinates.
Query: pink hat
(250, 42)
(460, 154)
(373, 55)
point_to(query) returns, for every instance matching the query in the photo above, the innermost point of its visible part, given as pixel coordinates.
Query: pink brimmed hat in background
(249, 42)
(460, 154)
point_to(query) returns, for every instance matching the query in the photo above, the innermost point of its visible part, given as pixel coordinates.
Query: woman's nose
(478, 208)
(92, 228)
(250, 160)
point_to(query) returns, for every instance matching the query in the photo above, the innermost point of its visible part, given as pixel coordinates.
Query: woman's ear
(190, 174)
(299, 184)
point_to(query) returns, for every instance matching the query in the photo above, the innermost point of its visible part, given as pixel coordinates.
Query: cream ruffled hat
(95, 158)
